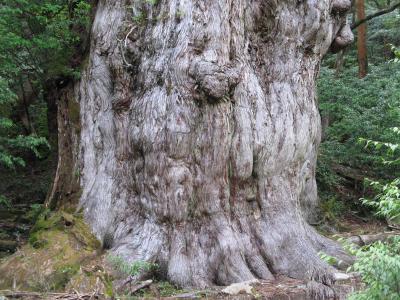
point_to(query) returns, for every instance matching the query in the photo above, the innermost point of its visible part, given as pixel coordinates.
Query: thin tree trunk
(199, 131)
(362, 41)
(66, 190)
(25, 99)
(340, 60)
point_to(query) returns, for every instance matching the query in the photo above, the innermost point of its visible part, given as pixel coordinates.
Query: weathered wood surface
(198, 134)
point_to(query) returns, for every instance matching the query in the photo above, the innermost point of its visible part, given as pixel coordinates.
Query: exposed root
(223, 257)
(318, 291)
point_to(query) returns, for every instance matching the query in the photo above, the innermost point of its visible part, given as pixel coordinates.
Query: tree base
(219, 251)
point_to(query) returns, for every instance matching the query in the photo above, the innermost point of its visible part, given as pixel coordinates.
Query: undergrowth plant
(387, 201)
(379, 266)
(379, 263)
(129, 268)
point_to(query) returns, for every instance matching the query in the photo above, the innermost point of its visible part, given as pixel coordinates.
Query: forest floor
(68, 256)
(282, 288)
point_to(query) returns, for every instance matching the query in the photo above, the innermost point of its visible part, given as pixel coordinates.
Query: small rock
(241, 287)
(342, 277)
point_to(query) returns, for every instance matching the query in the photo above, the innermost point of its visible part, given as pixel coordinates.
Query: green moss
(74, 114)
(66, 222)
(63, 275)
(44, 223)
(47, 221)
(82, 233)
(36, 241)
(60, 246)
(108, 280)
(167, 289)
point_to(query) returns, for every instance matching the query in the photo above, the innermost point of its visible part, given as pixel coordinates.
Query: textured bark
(199, 135)
(66, 189)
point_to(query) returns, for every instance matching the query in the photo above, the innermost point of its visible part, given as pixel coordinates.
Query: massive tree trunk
(198, 135)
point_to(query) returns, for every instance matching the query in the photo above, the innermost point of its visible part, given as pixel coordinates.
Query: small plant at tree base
(130, 269)
(167, 289)
(37, 211)
(330, 260)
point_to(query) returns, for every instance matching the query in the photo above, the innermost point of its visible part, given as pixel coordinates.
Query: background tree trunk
(361, 40)
(198, 135)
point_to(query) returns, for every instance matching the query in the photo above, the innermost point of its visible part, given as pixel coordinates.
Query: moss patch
(61, 247)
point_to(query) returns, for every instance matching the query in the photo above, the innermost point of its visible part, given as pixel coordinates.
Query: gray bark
(199, 131)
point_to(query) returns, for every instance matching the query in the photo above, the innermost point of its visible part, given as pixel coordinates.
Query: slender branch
(374, 15)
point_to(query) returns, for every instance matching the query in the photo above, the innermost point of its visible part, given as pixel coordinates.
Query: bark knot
(212, 81)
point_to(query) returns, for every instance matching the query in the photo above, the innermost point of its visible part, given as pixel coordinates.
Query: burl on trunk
(197, 133)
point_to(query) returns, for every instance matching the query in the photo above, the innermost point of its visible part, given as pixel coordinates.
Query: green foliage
(152, 2)
(353, 108)
(331, 209)
(44, 221)
(328, 259)
(10, 144)
(37, 37)
(167, 289)
(387, 201)
(357, 108)
(396, 53)
(379, 266)
(379, 263)
(37, 211)
(4, 202)
(129, 269)
(63, 275)
(39, 42)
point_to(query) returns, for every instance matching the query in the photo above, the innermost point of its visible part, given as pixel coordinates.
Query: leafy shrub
(379, 263)
(379, 266)
(387, 201)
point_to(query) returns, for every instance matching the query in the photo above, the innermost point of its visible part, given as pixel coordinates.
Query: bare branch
(374, 15)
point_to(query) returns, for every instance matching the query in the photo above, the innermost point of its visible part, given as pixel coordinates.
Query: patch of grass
(108, 283)
(127, 268)
(167, 289)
